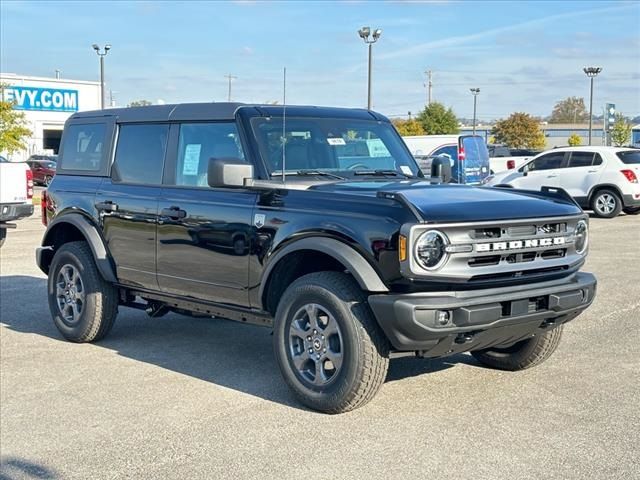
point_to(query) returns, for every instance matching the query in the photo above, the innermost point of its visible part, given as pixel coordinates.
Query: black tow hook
(464, 338)
(548, 323)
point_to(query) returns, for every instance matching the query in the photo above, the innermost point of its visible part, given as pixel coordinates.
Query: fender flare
(93, 238)
(362, 271)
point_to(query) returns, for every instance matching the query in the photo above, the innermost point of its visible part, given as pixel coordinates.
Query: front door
(581, 174)
(127, 203)
(541, 172)
(204, 234)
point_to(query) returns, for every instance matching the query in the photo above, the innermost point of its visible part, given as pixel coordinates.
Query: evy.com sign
(47, 99)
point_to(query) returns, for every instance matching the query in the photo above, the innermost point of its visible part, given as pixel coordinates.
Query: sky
(524, 56)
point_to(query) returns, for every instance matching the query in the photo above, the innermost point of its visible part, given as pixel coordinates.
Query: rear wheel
(83, 305)
(606, 204)
(522, 355)
(47, 180)
(328, 345)
(631, 210)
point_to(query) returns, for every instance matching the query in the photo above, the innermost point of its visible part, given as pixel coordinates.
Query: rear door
(473, 158)
(127, 202)
(540, 172)
(204, 233)
(582, 172)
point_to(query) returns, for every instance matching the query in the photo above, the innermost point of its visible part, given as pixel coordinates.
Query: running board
(238, 314)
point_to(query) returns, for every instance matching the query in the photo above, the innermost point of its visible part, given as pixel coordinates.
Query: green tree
(569, 110)
(438, 120)
(13, 126)
(574, 140)
(520, 130)
(408, 127)
(140, 103)
(620, 131)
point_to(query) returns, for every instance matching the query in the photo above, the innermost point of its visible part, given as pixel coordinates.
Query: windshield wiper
(318, 173)
(382, 173)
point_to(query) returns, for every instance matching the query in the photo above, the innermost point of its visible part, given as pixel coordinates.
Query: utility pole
(230, 77)
(57, 74)
(429, 86)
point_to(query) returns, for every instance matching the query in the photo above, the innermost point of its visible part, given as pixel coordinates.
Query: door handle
(552, 176)
(108, 205)
(174, 213)
(592, 171)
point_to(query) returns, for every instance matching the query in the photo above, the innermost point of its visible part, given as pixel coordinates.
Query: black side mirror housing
(525, 170)
(441, 168)
(228, 172)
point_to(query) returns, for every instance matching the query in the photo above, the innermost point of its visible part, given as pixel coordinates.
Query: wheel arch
(303, 256)
(76, 227)
(604, 186)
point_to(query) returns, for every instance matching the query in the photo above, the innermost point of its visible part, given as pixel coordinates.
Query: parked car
(16, 192)
(43, 168)
(348, 254)
(603, 179)
(503, 158)
(468, 154)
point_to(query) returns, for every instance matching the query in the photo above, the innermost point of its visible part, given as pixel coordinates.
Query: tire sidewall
(67, 256)
(291, 302)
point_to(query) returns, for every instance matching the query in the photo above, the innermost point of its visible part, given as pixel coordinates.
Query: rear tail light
(631, 175)
(461, 154)
(511, 164)
(43, 206)
(29, 174)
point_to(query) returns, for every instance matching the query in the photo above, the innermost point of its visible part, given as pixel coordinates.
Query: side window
(580, 159)
(450, 150)
(548, 162)
(83, 146)
(140, 154)
(198, 143)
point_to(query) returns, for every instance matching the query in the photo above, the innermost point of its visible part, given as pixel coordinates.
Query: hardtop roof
(222, 111)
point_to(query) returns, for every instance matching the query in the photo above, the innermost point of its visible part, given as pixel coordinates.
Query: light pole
(475, 92)
(591, 73)
(230, 78)
(102, 54)
(369, 39)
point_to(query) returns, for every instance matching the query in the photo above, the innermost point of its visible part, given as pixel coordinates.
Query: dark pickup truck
(315, 222)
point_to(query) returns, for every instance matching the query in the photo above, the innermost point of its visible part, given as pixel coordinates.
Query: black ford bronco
(316, 222)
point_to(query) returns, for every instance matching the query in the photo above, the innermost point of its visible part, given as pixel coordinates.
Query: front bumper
(15, 211)
(480, 318)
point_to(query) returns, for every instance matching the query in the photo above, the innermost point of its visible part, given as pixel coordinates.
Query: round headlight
(430, 249)
(582, 236)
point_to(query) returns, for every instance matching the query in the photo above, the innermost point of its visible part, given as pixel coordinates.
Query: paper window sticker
(191, 159)
(336, 141)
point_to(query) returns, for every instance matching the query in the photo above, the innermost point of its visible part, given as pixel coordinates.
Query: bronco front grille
(500, 250)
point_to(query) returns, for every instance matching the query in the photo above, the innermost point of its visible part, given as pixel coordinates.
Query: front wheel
(521, 355)
(631, 210)
(606, 204)
(328, 345)
(83, 305)
(47, 180)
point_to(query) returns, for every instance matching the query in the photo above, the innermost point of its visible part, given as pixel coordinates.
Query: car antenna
(284, 120)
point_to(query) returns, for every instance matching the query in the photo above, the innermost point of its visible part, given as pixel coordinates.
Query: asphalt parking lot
(178, 397)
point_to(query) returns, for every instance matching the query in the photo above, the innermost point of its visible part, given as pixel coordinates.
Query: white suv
(603, 179)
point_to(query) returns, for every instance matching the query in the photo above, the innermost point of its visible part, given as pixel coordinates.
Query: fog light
(442, 317)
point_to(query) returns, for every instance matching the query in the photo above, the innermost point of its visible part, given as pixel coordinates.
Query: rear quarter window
(629, 157)
(83, 147)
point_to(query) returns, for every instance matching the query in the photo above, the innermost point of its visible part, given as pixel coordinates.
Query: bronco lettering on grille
(519, 244)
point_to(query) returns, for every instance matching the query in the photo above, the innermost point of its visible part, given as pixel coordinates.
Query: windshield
(341, 146)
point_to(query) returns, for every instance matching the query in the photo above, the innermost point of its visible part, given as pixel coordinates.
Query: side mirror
(525, 170)
(441, 168)
(228, 172)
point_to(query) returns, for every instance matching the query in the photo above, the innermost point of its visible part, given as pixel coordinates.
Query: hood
(461, 203)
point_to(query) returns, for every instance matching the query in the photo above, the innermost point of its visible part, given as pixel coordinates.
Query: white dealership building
(47, 103)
